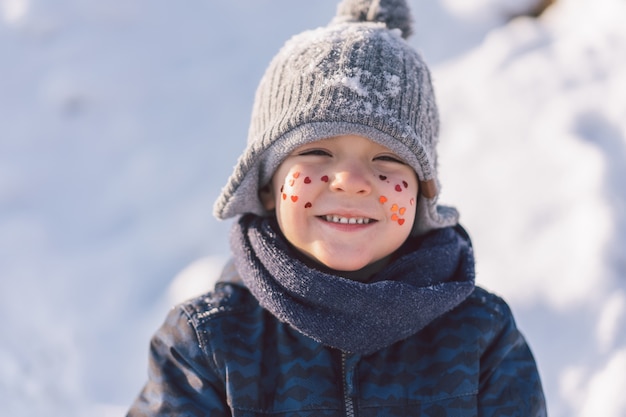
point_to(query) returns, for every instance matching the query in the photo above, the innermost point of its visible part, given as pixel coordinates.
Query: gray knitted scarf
(430, 276)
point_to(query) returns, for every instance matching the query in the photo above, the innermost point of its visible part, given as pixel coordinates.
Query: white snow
(604, 393)
(121, 121)
(352, 81)
(611, 321)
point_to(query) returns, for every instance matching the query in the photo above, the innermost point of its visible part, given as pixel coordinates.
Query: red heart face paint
(324, 178)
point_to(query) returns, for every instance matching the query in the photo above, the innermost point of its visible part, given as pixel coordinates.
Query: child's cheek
(398, 198)
(297, 188)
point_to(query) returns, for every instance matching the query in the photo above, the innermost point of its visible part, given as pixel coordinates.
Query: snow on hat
(358, 76)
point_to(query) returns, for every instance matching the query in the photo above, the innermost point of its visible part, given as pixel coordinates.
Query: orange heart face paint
(397, 212)
(397, 209)
(289, 189)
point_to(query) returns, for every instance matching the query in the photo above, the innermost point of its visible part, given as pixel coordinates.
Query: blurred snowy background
(121, 120)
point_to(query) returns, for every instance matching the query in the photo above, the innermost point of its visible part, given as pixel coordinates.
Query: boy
(351, 292)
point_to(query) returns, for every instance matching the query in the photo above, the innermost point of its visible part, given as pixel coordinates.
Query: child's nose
(352, 178)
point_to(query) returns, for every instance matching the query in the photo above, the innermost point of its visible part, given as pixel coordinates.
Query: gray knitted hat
(358, 75)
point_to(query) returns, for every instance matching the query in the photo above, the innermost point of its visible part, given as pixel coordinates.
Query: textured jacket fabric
(222, 354)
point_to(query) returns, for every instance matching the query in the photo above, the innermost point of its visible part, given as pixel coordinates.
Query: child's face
(345, 202)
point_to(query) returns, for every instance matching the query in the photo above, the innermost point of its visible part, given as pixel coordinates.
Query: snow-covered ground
(121, 120)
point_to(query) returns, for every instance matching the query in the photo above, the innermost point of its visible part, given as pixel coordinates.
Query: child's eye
(314, 152)
(389, 158)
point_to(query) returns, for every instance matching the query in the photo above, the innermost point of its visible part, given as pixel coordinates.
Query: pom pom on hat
(356, 76)
(394, 13)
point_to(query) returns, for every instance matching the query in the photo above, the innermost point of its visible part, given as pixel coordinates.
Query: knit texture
(435, 274)
(356, 76)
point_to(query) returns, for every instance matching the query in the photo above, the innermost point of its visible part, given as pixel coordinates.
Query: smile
(346, 220)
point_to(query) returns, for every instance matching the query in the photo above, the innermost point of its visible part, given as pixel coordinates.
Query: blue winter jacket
(222, 354)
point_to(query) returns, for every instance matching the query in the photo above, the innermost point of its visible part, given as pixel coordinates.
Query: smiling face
(345, 202)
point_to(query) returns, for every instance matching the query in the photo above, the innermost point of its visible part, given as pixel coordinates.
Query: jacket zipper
(347, 398)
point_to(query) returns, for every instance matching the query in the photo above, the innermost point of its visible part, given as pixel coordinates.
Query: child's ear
(266, 195)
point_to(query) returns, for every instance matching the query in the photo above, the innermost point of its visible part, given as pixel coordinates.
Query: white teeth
(346, 220)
